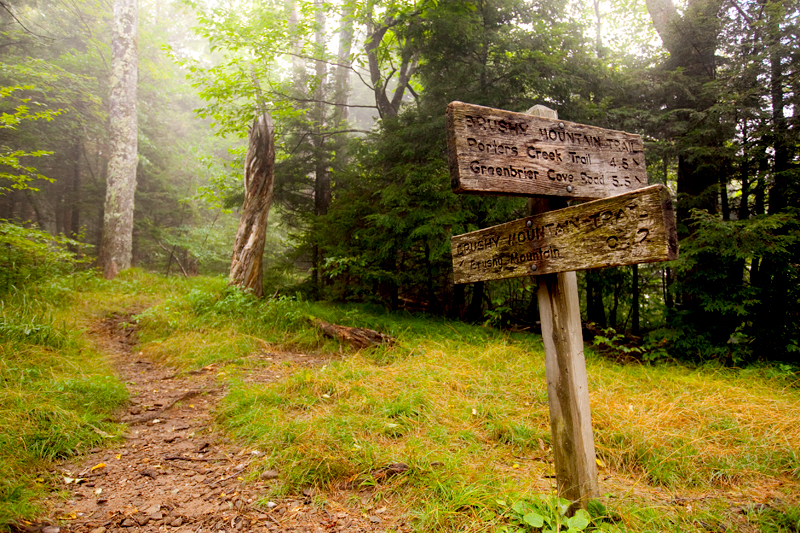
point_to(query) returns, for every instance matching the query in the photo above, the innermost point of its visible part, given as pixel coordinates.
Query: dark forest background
(364, 211)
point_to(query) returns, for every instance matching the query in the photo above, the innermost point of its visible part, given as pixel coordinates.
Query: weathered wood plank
(567, 388)
(492, 151)
(567, 382)
(636, 227)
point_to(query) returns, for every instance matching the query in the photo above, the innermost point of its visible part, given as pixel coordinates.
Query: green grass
(55, 396)
(465, 407)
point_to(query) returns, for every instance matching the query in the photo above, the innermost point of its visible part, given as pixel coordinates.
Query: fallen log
(357, 337)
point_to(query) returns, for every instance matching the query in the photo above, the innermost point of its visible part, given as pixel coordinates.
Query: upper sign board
(492, 151)
(635, 227)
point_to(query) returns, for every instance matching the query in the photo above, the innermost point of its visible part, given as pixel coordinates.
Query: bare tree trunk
(780, 125)
(341, 81)
(322, 179)
(259, 186)
(117, 241)
(598, 29)
(75, 192)
(298, 66)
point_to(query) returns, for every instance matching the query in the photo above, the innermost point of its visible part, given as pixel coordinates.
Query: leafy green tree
(725, 89)
(17, 175)
(387, 234)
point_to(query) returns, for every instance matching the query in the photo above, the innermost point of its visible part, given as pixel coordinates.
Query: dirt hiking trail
(174, 473)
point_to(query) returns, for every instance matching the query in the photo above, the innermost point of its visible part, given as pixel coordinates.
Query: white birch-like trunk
(116, 245)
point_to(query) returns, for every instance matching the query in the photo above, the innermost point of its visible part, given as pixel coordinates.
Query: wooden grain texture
(632, 228)
(567, 388)
(492, 151)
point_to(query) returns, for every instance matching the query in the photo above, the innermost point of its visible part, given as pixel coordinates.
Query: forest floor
(174, 472)
(240, 415)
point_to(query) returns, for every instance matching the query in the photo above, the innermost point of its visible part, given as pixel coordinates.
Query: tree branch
(412, 91)
(741, 11)
(79, 14)
(173, 256)
(8, 10)
(332, 63)
(314, 100)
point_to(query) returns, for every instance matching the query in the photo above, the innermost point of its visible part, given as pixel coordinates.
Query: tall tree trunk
(475, 309)
(598, 29)
(774, 317)
(669, 278)
(298, 65)
(259, 186)
(341, 81)
(595, 310)
(117, 242)
(744, 176)
(780, 127)
(322, 180)
(341, 87)
(75, 193)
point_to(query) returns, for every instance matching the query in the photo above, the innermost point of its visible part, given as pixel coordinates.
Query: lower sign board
(636, 227)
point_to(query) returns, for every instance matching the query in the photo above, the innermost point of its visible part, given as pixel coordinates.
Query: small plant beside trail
(549, 514)
(30, 255)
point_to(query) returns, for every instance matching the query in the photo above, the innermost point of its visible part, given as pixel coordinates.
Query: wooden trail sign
(632, 228)
(492, 151)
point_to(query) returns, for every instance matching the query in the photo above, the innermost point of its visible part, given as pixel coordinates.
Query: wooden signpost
(637, 227)
(499, 152)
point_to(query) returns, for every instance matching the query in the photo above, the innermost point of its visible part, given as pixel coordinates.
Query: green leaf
(579, 521)
(563, 505)
(534, 519)
(597, 509)
(520, 507)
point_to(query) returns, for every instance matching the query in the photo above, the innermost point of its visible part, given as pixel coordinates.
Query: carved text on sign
(636, 227)
(501, 152)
